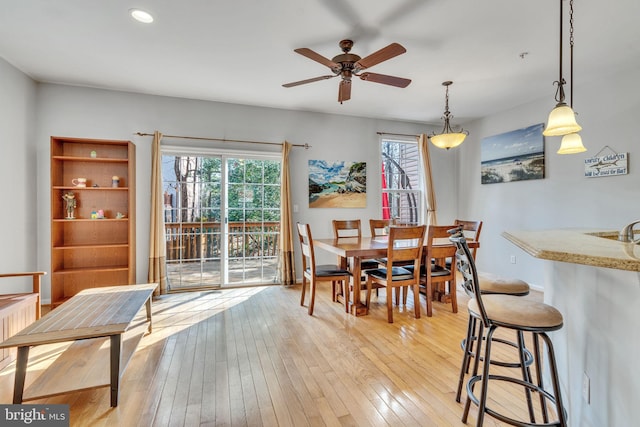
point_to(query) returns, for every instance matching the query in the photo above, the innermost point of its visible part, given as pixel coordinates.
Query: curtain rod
(306, 146)
(397, 134)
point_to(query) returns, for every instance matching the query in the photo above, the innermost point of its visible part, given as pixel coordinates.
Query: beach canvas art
(513, 156)
(337, 184)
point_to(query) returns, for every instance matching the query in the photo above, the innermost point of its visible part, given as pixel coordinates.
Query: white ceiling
(241, 51)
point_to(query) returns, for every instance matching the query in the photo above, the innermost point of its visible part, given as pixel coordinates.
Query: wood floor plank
(254, 357)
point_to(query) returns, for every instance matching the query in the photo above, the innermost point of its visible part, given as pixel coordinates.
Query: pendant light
(448, 138)
(571, 143)
(562, 119)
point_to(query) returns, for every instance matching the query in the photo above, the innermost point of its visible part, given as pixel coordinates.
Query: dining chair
(434, 275)
(471, 230)
(319, 273)
(346, 228)
(351, 228)
(405, 244)
(380, 227)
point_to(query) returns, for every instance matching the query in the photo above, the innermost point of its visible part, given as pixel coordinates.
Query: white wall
(18, 177)
(608, 113)
(91, 113)
(599, 305)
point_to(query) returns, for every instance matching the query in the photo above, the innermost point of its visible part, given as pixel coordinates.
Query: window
(401, 191)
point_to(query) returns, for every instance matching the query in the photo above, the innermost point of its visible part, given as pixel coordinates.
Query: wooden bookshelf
(89, 252)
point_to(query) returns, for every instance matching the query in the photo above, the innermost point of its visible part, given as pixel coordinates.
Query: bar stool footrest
(528, 357)
(502, 417)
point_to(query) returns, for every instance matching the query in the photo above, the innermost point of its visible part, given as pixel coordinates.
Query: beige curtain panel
(429, 192)
(157, 245)
(286, 261)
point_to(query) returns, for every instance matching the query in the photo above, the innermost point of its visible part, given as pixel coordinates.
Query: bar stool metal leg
(526, 375)
(468, 348)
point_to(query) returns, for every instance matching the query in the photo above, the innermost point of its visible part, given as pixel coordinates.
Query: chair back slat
(380, 227)
(435, 251)
(405, 244)
(346, 228)
(306, 245)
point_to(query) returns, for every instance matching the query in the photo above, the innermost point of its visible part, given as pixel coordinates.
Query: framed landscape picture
(337, 184)
(513, 156)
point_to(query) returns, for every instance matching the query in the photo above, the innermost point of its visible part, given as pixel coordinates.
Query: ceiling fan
(348, 64)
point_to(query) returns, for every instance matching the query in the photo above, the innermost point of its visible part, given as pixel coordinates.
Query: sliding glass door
(222, 219)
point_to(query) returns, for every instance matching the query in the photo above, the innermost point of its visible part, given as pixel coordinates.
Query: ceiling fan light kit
(347, 64)
(448, 138)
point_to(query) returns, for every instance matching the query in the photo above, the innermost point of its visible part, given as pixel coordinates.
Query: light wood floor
(253, 357)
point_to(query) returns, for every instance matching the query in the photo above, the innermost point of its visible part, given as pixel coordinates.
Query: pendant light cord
(560, 90)
(571, 50)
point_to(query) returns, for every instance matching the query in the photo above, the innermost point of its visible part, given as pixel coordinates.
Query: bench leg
(116, 344)
(148, 306)
(21, 373)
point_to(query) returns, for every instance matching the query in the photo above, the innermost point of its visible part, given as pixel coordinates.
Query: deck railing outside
(194, 254)
(198, 240)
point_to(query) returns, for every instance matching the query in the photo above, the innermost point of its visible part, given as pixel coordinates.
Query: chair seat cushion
(518, 312)
(397, 273)
(367, 264)
(326, 270)
(436, 270)
(494, 284)
(385, 260)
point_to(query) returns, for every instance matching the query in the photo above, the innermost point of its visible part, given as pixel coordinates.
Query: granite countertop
(588, 247)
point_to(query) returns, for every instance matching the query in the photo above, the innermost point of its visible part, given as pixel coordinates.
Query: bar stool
(491, 284)
(514, 313)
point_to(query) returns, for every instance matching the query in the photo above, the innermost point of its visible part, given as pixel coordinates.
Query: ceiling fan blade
(400, 12)
(317, 57)
(393, 50)
(342, 11)
(384, 79)
(344, 91)
(302, 82)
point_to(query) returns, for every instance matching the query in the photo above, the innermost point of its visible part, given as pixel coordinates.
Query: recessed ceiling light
(141, 16)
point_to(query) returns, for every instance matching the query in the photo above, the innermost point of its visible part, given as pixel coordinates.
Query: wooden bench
(88, 319)
(17, 311)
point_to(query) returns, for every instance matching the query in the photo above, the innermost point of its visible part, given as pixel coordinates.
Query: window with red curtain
(401, 192)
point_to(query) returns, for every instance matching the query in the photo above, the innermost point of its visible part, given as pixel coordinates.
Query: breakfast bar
(594, 280)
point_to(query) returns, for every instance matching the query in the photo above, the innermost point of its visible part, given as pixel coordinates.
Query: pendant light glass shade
(448, 140)
(571, 144)
(562, 121)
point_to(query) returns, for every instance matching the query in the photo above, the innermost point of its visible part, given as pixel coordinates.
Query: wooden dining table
(357, 249)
